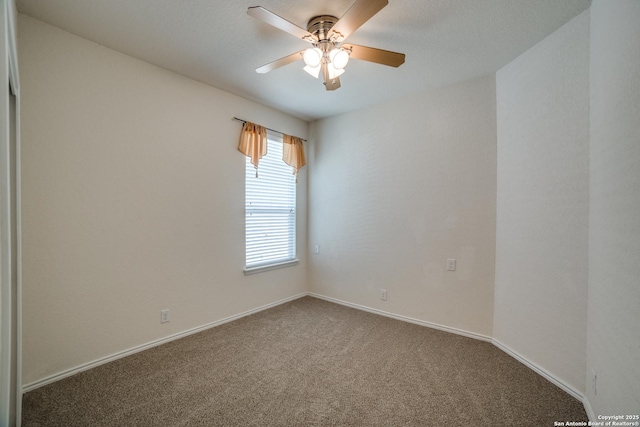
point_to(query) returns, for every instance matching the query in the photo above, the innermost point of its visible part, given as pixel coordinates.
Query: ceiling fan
(327, 33)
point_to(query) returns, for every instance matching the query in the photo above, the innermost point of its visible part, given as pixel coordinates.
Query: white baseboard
(405, 318)
(539, 370)
(589, 410)
(119, 355)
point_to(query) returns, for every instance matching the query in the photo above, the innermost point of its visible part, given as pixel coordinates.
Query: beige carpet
(308, 363)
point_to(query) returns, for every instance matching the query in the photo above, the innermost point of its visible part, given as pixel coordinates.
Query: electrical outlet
(383, 294)
(164, 316)
(594, 382)
(451, 264)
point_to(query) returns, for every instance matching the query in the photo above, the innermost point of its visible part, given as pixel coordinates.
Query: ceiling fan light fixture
(339, 58)
(334, 72)
(313, 71)
(312, 57)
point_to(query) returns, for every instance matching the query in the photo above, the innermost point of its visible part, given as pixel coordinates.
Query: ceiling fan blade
(280, 62)
(332, 84)
(359, 13)
(371, 54)
(274, 20)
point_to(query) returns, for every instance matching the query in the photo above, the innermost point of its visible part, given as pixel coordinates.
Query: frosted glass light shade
(312, 57)
(339, 58)
(314, 71)
(333, 71)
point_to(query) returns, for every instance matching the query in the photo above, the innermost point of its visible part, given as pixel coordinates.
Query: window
(270, 211)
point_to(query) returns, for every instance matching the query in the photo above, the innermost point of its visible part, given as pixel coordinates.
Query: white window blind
(270, 210)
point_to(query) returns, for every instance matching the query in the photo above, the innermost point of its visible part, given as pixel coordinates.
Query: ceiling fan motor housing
(320, 26)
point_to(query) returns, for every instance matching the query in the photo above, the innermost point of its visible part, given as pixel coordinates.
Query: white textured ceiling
(216, 42)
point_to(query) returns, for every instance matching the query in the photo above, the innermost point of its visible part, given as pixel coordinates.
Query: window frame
(250, 172)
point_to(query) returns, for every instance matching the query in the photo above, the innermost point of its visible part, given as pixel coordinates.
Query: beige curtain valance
(293, 153)
(253, 142)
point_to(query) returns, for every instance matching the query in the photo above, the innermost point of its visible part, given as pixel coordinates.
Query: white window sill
(267, 267)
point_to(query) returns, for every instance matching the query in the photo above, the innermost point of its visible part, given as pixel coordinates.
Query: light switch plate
(451, 264)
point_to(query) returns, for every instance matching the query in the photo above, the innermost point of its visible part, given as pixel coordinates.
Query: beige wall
(543, 203)
(399, 188)
(132, 201)
(613, 333)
